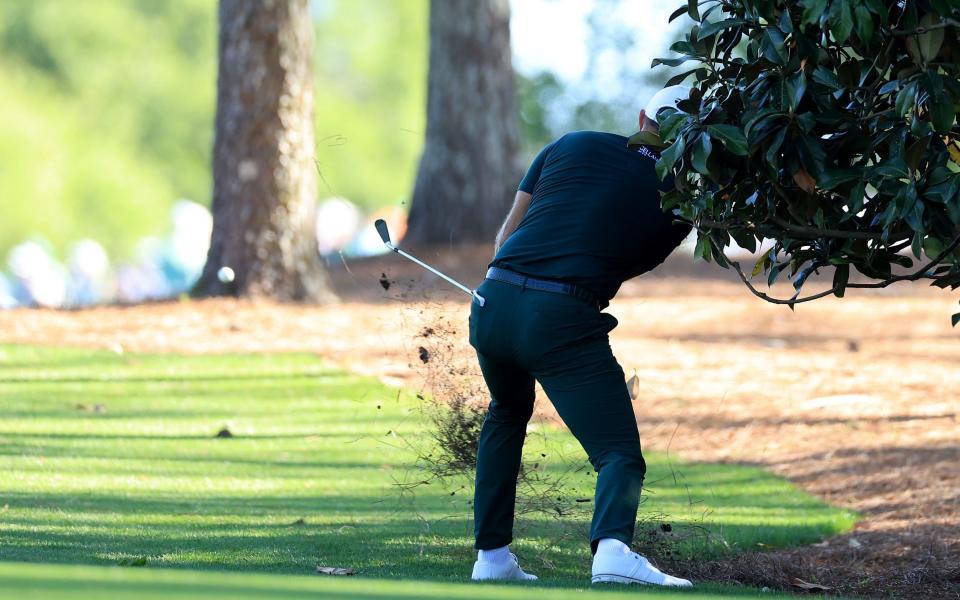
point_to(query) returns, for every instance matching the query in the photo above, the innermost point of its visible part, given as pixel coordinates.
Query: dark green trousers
(522, 335)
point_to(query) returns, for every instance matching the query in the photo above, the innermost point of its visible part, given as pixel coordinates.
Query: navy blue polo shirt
(595, 218)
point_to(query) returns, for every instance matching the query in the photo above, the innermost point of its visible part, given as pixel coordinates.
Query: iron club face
(381, 226)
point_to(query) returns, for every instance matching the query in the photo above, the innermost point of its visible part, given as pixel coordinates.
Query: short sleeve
(533, 173)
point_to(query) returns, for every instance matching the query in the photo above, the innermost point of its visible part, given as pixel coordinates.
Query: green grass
(43, 582)
(145, 478)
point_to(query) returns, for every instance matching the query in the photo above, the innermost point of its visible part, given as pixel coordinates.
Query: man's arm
(522, 200)
(520, 204)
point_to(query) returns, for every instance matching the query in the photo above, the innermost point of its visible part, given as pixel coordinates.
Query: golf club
(381, 226)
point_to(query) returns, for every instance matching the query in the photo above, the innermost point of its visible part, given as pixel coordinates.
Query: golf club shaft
(436, 272)
(384, 233)
(431, 269)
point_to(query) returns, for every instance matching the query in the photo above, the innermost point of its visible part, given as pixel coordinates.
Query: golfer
(586, 218)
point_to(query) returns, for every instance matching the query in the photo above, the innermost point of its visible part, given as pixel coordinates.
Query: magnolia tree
(827, 126)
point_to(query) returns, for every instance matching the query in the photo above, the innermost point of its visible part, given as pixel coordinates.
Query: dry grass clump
(453, 401)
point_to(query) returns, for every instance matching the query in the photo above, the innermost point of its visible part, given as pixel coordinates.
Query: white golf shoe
(630, 567)
(504, 570)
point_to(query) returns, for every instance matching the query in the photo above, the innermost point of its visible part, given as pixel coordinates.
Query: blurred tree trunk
(469, 170)
(264, 189)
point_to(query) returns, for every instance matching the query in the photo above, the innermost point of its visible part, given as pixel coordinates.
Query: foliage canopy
(828, 126)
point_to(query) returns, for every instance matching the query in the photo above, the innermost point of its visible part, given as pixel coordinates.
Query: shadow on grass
(100, 488)
(381, 537)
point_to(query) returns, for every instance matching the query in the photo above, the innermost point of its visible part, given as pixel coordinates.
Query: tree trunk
(469, 170)
(264, 189)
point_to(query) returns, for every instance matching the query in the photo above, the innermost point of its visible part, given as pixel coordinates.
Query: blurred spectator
(144, 279)
(6, 294)
(169, 266)
(338, 220)
(90, 275)
(181, 256)
(368, 243)
(39, 280)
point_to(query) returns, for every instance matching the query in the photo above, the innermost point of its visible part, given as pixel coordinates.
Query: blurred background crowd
(107, 112)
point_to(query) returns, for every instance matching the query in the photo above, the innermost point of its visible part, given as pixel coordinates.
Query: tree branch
(816, 232)
(919, 274)
(811, 233)
(921, 30)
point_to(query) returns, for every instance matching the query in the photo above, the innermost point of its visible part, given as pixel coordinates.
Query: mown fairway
(110, 459)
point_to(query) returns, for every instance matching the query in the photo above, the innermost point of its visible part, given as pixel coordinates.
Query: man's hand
(520, 204)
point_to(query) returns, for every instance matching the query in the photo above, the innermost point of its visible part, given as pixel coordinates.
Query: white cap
(668, 96)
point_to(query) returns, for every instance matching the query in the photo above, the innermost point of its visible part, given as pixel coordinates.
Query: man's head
(667, 97)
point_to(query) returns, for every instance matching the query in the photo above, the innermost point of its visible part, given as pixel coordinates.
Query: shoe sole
(621, 579)
(610, 578)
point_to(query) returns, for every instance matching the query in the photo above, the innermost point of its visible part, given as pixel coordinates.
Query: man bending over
(585, 219)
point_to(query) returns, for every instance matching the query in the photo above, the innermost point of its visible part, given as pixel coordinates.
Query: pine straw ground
(855, 400)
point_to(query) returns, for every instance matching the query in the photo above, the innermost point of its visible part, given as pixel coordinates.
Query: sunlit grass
(108, 458)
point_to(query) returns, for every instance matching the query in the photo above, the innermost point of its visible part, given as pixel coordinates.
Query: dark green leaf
(849, 74)
(841, 275)
(920, 128)
(773, 152)
(786, 25)
(703, 247)
(813, 10)
(705, 16)
(878, 7)
(916, 245)
(676, 79)
(946, 8)
(774, 273)
(670, 123)
(903, 261)
(669, 157)
(945, 191)
(799, 84)
(864, 21)
(772, 46)
(717, 252)
(683, 47)
(825, 76)
(644, 138)
(811, 153)
(670, 62)
(831, 178)
(905, 99)
(677, 13)
(855, 200)
(732, 138)
(692, 10)
(942, 114)
(757, 118)
(915, 153)
(889, 215)
(701, 153)
(841, 20)
(888, 87)
(925, 46)
(932, 247)
(914, 215)
(895, 168)
(670, 199)
(745, 240)
(709, 29)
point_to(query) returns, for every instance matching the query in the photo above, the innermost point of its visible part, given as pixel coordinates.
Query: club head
(381, 226)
